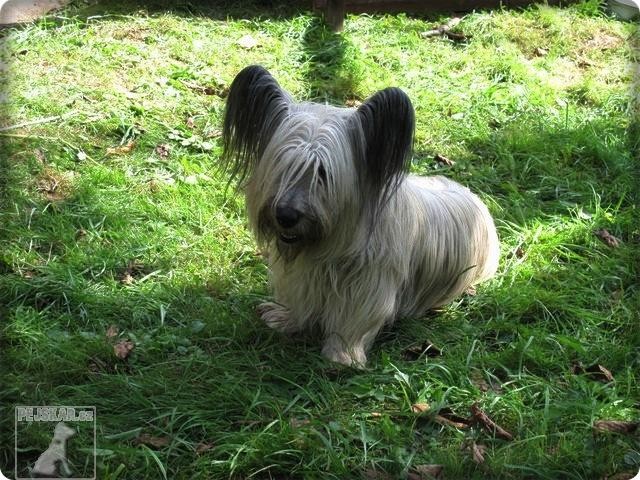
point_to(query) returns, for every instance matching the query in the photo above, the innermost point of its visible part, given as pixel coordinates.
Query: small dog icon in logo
(56, 454)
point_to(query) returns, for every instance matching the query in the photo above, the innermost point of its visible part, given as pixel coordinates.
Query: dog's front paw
(335, 350)
(276, 317)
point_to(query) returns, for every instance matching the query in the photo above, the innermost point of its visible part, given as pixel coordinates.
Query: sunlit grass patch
(114, 218)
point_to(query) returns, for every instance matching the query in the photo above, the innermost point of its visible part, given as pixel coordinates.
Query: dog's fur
(56, 455)
(353, 241)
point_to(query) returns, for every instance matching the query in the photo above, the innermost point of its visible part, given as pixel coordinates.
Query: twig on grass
(41, 121)
(445, 31)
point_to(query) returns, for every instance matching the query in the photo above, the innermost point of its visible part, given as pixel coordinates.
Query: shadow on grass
(329, 69)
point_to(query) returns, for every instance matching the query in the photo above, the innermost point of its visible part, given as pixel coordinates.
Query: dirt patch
(23, 11)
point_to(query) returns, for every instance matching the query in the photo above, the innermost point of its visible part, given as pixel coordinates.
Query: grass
(115, 214)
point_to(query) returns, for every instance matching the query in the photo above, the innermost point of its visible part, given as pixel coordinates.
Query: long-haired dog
(353, 241)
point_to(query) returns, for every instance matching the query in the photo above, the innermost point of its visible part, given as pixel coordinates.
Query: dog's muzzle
(292, 227)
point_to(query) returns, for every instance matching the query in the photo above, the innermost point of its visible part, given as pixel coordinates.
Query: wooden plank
(415, 6)
(334, 14)
(334, 10)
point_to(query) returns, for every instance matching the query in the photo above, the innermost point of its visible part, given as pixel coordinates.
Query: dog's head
(313, 172)
(63, 432)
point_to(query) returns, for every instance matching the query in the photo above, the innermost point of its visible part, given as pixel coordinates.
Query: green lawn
(112, 213)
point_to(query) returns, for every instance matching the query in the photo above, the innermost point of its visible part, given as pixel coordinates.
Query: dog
(353, 241)
(46, 465)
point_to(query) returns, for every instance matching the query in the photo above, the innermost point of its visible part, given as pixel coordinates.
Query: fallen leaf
(127, 278)
(121, 149)
(353, 103)
(299, 422)
(151, 441)
(427, 348)
(191, 122)
(477, 451)
(123, 348)
(203, 447)
(214, 133)
(163, 150)
(112, 331)
(598, 372)
(519, 253)
(604, 235)
(541, 52)
(616, 426)
(375, 415)
(471, 291)
(81, 233)
(248, 42)
(483, 419)
(419, 408)
(424, 472)
(27, 274)
(443, 160)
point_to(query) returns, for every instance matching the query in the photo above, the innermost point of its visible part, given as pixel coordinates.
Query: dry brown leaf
(598, 372)
(151, 441)
(121, 149)
(191, 122)
(163, 150)
(478, 452)
(471, 291)
(123, 348)
(419, 408)
(616, 426)
(443, 160)
(424, 472)
(375, 415)
(299, 422)
(126, 278)
(112, 331)
(483, 419)
(427, 348)
(203, 447)
(604, 235)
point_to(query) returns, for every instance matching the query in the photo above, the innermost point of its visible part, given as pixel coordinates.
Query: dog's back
(454, 242)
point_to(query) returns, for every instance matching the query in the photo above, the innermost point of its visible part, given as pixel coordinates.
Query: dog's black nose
(287, 217)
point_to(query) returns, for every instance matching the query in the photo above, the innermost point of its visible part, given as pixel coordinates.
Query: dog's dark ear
(384, 130)
(256, 106)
